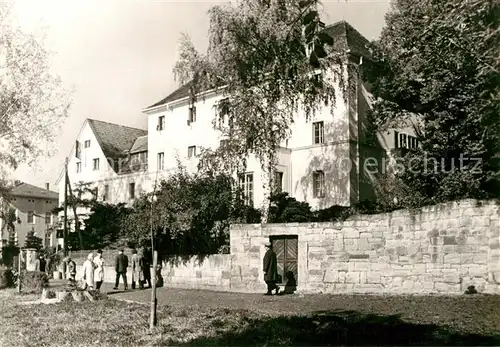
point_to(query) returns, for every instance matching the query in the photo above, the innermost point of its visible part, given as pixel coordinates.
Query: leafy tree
(32, 102)
(191, 215)
(438, 61)
(102, 228)
(33, 241)
(268, 59)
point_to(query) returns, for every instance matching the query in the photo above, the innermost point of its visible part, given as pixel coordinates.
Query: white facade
(323, 174)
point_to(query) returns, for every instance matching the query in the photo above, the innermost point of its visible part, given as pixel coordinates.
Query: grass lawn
(345, 320)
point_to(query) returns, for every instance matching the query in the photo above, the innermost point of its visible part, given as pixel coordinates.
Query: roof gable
(345, 37)
(115, 140)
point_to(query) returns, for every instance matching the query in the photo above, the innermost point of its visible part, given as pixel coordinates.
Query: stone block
(466, 258)
(317, 254)
(340, 266)
(351, 244)
(352, 277)
(314, 264)
(373, 277)
(480, 258)
(358, 256)
(363, 244)
(344, 287)
(363, 277)
(342, 276)
(380, 267)
(494, 244)
(350, 232)
(478, 271)
(331, 276)
(452, 258)
(362, 266)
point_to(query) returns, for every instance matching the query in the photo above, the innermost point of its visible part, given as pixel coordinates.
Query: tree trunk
(267, 183)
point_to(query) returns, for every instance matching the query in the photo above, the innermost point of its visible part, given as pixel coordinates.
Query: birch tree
(268, 59)
(33, 104)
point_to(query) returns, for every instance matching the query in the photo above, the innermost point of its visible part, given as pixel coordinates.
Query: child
(71, 267)
(291, 283)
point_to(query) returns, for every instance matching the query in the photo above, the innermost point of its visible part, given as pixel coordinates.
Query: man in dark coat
(270, 269)
(121, 264)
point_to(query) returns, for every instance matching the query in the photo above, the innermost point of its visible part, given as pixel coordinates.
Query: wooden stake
(152, 318)
(65, 228)
(19, 271)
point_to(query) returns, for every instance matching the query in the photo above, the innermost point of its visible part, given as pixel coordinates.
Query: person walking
(136, 269)
(146, 268)
(88, 271)
(121, 265)
(99, 270)
(270, 269)
(40, 264)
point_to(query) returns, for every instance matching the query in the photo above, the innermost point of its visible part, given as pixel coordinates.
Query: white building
(324, 162)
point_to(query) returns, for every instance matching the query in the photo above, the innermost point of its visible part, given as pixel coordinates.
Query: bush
(285, 209)
(6, 278)
(9, 251)
(33, 281)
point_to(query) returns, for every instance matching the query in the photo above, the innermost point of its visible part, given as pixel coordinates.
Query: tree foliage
(32, 102)
(265, 57)
(102, 227)
(33, 241)
(438, 60)
(191, 215)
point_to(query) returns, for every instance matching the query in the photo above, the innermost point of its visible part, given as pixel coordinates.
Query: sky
(117, 56)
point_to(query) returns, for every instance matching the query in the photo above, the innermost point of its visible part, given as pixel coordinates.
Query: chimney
(47, 185)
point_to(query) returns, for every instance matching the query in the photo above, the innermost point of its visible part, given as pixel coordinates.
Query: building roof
(31, 191)
(140, 144)
(345, 37)
(115, 140)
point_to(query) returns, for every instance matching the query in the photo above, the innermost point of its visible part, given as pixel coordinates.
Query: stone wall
(436, 249)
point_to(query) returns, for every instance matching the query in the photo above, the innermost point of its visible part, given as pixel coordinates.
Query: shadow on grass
(340, 328)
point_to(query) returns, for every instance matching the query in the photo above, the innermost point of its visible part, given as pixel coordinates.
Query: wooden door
(286, 249)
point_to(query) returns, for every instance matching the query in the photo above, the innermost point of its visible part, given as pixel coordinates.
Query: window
(319, 184)
(105, 196)
(161, 123)
(278, 181)
(78, 167)
(319, 132)
(192, 114)
(78, 150)
(95, 193)
(87, 144)
(131, 190)
(160, 160)
(31, 217)
(402, 140)
(96, 164)
(246, 185)
(48, 218)
(191, 151)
